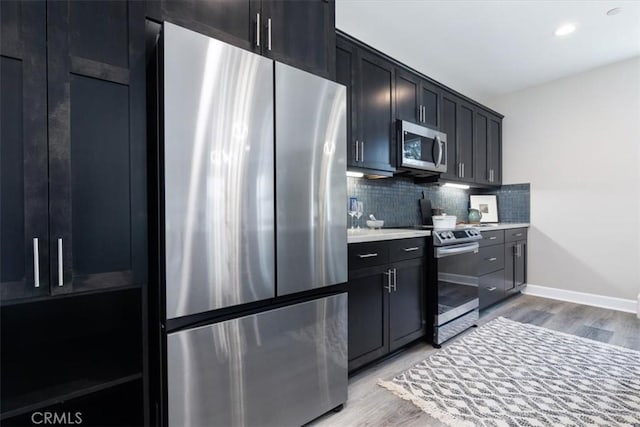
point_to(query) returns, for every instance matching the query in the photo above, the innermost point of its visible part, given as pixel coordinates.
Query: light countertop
(368, 235)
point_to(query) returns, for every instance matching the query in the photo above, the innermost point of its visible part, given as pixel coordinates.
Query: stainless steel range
(456, 259)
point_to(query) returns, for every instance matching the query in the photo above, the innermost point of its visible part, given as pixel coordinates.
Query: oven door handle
(442, 252)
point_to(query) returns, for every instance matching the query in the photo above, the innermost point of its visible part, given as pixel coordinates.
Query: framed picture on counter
(487, 205)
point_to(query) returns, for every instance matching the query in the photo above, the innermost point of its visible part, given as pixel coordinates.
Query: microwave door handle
(439, 143)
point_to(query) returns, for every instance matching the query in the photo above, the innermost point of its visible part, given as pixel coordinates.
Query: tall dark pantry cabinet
(73, 239)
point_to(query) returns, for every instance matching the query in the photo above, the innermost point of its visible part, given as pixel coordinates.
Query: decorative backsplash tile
(514, 202)
(395, 200)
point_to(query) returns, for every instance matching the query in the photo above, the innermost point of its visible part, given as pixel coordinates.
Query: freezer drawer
(282, 367)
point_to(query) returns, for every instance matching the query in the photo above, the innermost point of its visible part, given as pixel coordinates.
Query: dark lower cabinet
(386, 298)
(503, 264)
(368, 318)
(515, 260)
(407, 318)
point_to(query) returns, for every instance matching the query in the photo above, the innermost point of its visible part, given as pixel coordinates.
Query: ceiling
(488, 48)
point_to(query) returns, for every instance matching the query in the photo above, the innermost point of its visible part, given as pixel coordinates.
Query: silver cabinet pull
(491, 259)
(356, 150)
(269, 33)
(395, 280)
(257, 29)
(411, 249)
(389, 287)
(518, 251)
(493, 238)
(460, 170)
(36, 263)
(362, 151)
(424, 114)
(518, 234)
(491, 289)
(60, 267)
(463, 170)
(371, 255)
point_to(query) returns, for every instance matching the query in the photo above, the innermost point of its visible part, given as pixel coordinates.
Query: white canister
(444, 221)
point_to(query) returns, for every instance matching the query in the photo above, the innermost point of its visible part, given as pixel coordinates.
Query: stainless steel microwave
(421, 148)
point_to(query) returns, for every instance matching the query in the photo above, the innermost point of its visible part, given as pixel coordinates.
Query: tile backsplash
(395, 200)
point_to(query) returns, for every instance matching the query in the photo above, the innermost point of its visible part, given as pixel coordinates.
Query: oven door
(422, 148)
(457, 281)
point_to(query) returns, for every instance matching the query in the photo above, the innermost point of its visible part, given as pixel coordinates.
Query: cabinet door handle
(257, 30)
(519, 250)
(395, 280)
(491, 259)
(424, 114)
(518, 234)
(389, 287)
(362, 151)
(371, 255)
(269, 33)
(357, 143)
(36, 263)
(415, 248)
(60, 266)
(491, 289)
(493, 238)
(463, 170)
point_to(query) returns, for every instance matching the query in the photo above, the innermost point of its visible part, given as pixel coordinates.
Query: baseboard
(618, 304)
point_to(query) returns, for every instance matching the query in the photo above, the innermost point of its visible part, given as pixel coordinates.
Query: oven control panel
(452, 237)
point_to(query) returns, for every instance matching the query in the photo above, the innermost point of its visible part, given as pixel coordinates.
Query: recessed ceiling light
(614, 11)
(564, 30)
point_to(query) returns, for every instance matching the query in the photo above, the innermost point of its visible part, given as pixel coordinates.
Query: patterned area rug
(511, 374)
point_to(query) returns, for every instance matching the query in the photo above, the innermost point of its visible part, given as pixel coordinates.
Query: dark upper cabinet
(481, 152)
(300, 33)
(494, 146)
(457, 120)
(488, 157)
(77, 177)
(24, 234)
(375, 124)
(449, 125)
(96, 171)
(345, 66)
(371, 111)
(407, 96)
(233, 21)
(416, 99)
(430, 103)
(466, 147)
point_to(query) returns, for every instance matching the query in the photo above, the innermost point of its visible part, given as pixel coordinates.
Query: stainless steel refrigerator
(254, 161)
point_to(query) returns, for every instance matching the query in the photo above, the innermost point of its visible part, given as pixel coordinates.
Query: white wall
(577, 141)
